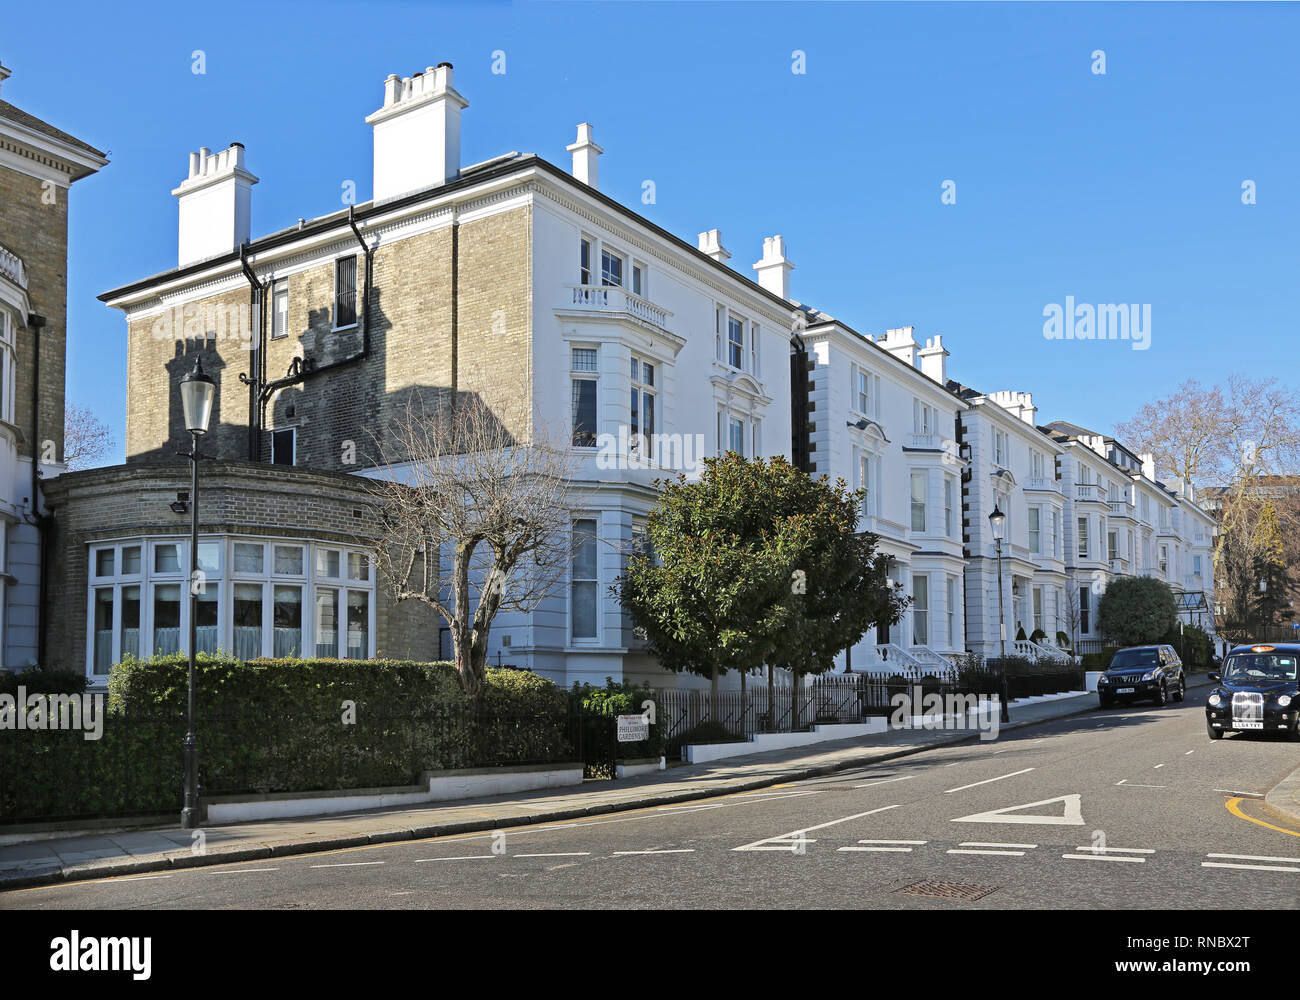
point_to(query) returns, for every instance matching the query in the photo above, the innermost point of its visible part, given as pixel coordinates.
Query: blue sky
(1123, 187)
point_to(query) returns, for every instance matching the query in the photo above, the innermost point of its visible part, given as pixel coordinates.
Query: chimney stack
(901, 343)
(934, 359)
(585, 153)
(774, 270)
(1148, 465)
(711, 245)
(215, 203)
(417, 133)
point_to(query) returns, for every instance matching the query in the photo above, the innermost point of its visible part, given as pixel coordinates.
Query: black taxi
(1256, 690)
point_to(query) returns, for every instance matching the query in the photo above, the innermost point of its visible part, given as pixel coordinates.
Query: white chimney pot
(215, 203)
(585, 154)
(417, 133)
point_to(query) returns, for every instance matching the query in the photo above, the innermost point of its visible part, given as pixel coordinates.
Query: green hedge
(280, 726)
(42, 680)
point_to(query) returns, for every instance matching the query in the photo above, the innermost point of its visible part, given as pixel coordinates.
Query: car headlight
(1215, 700)
(1149, 675)
(1103, 679)
(1283, 700)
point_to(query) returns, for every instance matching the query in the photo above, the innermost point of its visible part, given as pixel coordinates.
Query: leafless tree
(86, 439)
(473, 521)
(1072, 616)
(1245, 427)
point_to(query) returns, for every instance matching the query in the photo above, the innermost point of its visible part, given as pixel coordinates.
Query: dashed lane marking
(1115, 850)
(1105, 857)
(981, 850)
(463, 857)
(1253, 868)
(351, 864)
(797, 836)
(886, 846)
(885, 781)
(985, 843)
(675, 850)
(1254, 857)
(558, 854)
(242, 871)
(988, 781)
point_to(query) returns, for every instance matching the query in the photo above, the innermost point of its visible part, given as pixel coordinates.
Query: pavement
(1130, 807)
(107, 855)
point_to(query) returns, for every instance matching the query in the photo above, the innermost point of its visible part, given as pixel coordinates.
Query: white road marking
(676, 850)
(1104, 857)
(985, 843)
(351, 864)
(885, 781)
(770, 843)
(961, 850)
(1072, 814)
(1247, 795)
(1189, 753)
(464, 857)
(1122, 781)
(1256, 868)
(558, 854)
(243, 871)
(1115, 850)
(142, 878)
(879, 850)
(918, 843)
(988, 781)
(1157, 767)
(1135, 785)
(1254, 857)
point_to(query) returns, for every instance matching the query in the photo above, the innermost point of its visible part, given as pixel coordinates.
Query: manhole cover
(948, 890)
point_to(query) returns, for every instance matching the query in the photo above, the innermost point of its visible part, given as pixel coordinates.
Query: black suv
(1142, 672)
(1257, 692)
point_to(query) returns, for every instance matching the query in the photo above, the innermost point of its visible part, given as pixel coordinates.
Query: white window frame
(356, 294)
(595, 639)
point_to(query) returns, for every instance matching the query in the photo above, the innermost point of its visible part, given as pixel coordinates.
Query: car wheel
(1163, 697)
(1215, 734)
(1181, 693)
(1106, 702)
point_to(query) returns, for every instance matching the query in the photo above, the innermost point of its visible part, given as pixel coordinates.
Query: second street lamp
(998, 522)
(197, 390)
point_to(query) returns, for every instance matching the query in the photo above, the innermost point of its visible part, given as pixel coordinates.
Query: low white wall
(699, 753)
(1090, 679)
(442, 786)
(632, 769)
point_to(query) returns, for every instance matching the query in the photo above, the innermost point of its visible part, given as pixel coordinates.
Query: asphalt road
(1130, 807)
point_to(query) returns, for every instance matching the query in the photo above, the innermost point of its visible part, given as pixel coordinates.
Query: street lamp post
(197, 390)
(998, 522)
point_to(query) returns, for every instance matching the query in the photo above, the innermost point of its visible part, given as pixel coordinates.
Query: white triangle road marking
(1072, 815)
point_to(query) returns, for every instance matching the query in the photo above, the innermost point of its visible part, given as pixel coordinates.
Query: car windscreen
(1135, 658)
(1257, 667)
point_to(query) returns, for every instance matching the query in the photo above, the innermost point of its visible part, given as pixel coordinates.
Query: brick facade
(237, 498)
(34, 225)
(336, 413)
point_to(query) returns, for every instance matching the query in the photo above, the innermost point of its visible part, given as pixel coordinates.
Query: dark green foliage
(602, 706)
(42, 680)
(280, 726)
(1136, 610)
(755, 563)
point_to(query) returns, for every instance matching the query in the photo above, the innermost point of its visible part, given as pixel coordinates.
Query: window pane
(131, 621)
(103, 630)
(167, 618)
(345, 291)
(288, 560)
(327, 563)
(104, 562)
(584, 359)
(167, 558)
(280, 311)
(288, 621)
(248, 557)
(327, 623)
(248, 620)
(584, 413)
(358, 625)
(649, 415)
(209, 556)
(358, 566)
(206, 637)
(583, 593)
(131, 560)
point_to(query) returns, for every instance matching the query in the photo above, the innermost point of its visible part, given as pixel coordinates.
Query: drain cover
(948, 890)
